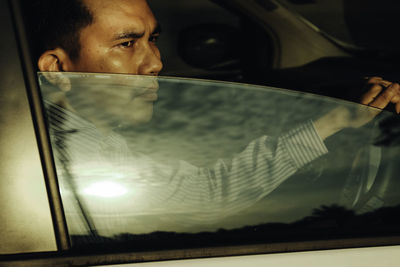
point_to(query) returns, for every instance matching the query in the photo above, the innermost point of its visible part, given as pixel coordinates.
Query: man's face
(122, 39)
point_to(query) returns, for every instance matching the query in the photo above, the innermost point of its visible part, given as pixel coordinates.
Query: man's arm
(205, 195)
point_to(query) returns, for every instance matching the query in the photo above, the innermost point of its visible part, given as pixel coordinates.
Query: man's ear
(55, 60)
(52, 62)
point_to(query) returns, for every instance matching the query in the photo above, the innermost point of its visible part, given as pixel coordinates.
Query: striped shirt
(85, 157)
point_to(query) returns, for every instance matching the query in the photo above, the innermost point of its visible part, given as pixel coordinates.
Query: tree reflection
(324, 223)
(338, 214)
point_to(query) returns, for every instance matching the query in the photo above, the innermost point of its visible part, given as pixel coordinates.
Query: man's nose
(152, 64)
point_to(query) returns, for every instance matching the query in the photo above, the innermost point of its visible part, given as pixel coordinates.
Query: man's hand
(379, 94)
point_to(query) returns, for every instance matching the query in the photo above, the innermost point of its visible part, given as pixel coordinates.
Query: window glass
(155, 163)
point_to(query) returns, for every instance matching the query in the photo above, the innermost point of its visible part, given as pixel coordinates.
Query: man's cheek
(121, 62)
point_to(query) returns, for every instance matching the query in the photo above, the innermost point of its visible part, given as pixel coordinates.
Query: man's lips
(146, 89)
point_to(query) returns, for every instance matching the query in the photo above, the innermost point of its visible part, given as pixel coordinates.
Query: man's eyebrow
(135, 35)
(128, 35)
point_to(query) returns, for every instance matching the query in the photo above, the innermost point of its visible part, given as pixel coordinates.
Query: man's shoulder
(62, 119)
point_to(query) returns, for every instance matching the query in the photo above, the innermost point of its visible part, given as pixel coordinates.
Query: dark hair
(55, 23)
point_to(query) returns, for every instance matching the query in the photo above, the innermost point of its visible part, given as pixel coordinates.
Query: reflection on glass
(105, 189)
(146, 159)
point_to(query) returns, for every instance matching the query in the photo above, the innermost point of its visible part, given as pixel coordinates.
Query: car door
(200, 174)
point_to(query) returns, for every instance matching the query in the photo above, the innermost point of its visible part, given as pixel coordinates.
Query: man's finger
(396, 99)
(385, 83)
(397, 107)
(383, 99)
(372, 93)
(374, 80)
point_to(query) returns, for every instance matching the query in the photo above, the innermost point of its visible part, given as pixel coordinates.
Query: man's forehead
(104, 4)
(106, 10)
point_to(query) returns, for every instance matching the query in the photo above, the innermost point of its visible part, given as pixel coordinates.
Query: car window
(147, 163)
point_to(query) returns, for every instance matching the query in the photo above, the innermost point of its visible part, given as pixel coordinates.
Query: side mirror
(210, 46)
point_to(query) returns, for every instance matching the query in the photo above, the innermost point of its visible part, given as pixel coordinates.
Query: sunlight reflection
(105, 189)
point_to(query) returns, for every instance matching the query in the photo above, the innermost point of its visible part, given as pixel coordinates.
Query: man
(119, 36)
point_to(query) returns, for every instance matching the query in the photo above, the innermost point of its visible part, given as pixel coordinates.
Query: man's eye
(127, 44)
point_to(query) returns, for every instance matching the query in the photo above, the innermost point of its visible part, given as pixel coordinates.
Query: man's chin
(142, 119)
(139, 113)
